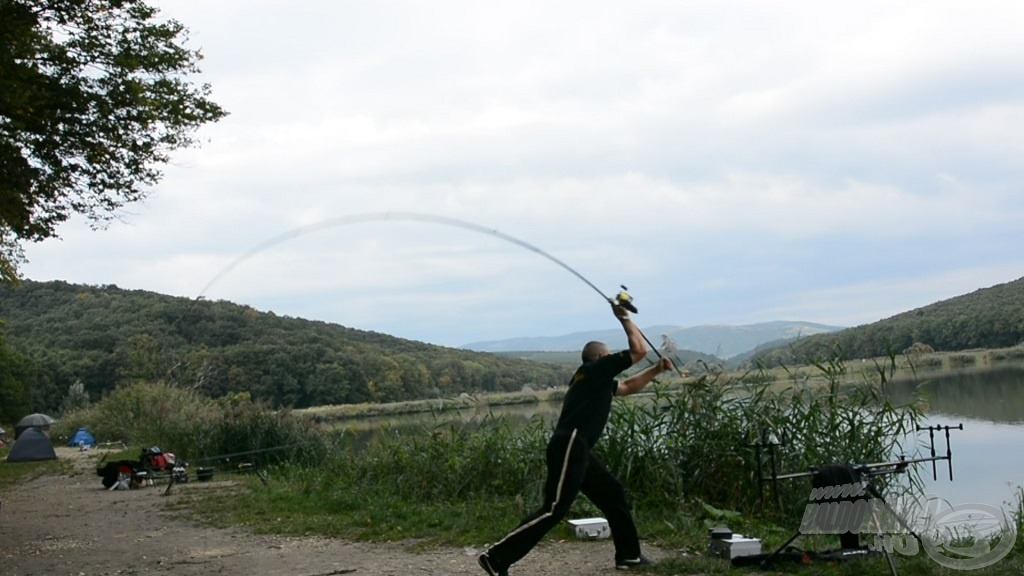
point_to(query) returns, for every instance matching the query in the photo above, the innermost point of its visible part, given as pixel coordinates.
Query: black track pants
(571, 469)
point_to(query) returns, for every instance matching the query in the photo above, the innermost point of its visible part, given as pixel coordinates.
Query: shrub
(193, 426)
(272, 436)
(145, 414)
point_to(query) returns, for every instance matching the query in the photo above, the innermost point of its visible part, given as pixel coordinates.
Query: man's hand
(636, 382)
(637, 346)
(621, 313)
(665, 365)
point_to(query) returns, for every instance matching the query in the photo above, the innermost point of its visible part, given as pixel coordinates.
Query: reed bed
(688, 456)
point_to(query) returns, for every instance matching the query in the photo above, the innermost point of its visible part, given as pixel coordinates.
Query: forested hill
(103, 336)
(987, 318)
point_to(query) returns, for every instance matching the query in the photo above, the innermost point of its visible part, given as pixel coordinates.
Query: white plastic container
(737, 545)
(590, 528)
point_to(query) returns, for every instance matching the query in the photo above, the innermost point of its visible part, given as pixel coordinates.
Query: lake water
(987, 466)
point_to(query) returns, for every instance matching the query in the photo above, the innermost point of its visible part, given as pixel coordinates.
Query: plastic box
(590, 528)
(734, 546)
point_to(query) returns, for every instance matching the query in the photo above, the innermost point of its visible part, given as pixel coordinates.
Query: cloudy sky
(730, 162)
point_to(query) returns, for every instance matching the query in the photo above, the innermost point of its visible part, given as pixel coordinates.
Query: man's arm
(636, 382)
(637, 344)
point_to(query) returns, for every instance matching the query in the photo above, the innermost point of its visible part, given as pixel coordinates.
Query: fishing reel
(625, 300)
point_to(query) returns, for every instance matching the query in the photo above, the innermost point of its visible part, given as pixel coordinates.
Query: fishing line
(382, 216)
(407, 216)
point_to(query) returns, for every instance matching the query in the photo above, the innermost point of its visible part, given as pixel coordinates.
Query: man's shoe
(627, 563)
(485, 563)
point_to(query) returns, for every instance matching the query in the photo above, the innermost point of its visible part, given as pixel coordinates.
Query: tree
(16, 374)
(76, 398)
(94, 96)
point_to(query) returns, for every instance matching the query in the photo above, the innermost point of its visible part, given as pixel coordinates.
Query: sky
(730, 162)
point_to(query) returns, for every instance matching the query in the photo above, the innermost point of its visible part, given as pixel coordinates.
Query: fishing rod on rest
(866, 470)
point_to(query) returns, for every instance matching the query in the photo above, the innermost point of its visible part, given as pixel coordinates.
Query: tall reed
(700, 442)
(677, 446)
(449, 462)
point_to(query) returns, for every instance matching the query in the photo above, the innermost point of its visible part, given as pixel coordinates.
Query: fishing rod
(626, 301)
(622, 298)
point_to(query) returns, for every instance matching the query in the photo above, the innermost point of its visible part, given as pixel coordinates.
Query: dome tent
(32, 445)
(82, 436)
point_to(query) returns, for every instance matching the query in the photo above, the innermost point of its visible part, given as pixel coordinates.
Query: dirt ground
(71, 525)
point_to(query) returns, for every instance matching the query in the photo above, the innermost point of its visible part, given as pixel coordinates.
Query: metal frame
(865, 472)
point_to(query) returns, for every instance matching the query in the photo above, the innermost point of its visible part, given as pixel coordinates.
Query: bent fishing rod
(622, 298)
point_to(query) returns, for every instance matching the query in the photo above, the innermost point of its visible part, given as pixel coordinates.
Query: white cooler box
(590, 528)
(737, 545)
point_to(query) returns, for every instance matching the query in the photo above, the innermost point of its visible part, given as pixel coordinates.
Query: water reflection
(989, 402)
(994, 394)
(986, 469)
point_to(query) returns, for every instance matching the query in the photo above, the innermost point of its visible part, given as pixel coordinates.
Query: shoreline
(908, 367)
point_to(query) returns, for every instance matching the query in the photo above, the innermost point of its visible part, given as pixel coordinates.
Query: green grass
(14, 473)
(280, 509)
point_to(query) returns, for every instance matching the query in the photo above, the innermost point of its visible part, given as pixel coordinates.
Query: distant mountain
(721, 341)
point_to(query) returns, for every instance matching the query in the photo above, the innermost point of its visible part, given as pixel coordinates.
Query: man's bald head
(594, 350)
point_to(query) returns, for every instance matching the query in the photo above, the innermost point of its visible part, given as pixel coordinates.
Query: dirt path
(71, 525)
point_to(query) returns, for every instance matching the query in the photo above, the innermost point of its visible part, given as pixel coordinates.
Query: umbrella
(35, 420)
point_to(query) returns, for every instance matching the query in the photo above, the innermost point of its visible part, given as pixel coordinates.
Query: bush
(450, 463)
(275, 436)
(145, 414)
(192, 426)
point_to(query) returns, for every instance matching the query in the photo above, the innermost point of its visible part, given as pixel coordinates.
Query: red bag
(158, 461)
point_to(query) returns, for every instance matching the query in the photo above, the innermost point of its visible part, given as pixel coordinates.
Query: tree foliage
(105, 337)
(15, 374)
(94, 95)
(76, 398)
(988, 318)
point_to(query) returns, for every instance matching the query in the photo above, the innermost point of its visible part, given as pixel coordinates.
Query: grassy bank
(905, 367)
(684, 452)
(327, 414)
(912, 365)
(12, 474)
(456, 488)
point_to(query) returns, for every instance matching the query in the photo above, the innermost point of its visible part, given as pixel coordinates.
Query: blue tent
(81, 436)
